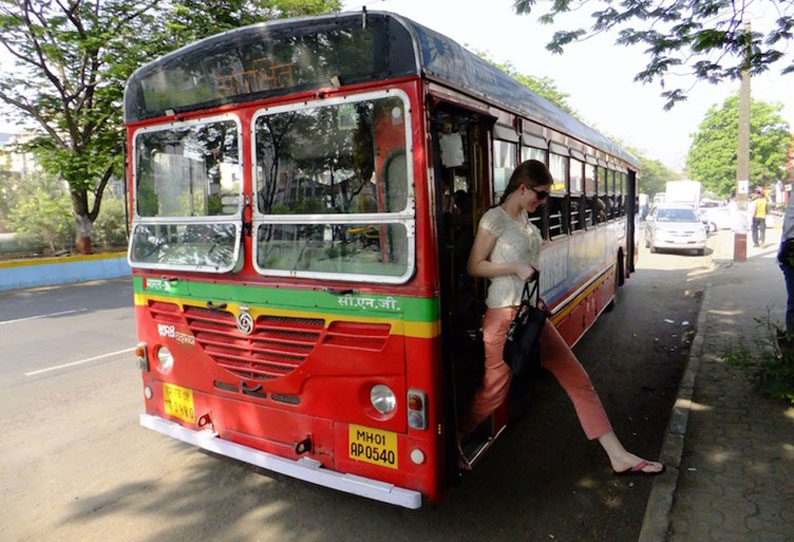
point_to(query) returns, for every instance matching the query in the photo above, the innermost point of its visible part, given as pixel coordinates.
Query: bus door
(460, 152)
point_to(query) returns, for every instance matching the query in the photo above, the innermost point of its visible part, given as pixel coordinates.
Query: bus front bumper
(306, 469)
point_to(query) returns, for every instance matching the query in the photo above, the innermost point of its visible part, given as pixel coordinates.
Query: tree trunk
(83, 236)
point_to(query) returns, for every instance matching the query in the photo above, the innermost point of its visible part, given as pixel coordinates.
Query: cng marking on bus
(80, 362)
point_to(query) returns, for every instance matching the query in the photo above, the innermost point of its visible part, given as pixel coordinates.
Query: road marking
(73, 363)
(41, 316)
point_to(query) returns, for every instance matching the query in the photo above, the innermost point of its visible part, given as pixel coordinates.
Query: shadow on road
(543, 479)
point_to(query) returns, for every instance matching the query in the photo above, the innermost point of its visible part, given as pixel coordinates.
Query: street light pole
(743, 159)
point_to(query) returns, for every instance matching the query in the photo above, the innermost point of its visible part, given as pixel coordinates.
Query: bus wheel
(612, 302)
(618, 281)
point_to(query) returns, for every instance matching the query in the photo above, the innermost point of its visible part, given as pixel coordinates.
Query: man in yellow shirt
(759, 219)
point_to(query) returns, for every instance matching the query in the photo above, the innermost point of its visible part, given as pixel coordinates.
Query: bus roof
(285, 56)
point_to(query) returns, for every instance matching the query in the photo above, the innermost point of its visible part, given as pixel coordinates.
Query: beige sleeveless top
(515, 242)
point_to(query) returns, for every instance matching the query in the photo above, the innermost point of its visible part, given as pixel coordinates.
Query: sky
(596, 74)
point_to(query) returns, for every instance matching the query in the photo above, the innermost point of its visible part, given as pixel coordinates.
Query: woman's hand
(542, 305)
(525, 271)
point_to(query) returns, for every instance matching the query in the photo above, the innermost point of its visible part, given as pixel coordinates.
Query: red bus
(304, 194)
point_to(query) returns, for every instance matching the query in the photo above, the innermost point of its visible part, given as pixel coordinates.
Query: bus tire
(618, 283)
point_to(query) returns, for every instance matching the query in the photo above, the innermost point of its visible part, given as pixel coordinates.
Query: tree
(73, 59)
(654, 174)
(712, 156)
(41, 213)
(191, 20)
(544, 87)
(707, 37)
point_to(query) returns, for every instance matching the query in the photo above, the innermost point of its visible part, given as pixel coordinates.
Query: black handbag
(522, 347)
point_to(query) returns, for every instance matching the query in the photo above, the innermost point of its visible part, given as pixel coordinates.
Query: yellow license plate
(178, 402)
(373, 446)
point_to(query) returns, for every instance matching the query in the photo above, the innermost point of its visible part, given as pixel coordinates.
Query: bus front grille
(275, 348)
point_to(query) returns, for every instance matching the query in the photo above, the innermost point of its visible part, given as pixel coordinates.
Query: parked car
(675, 227)
(718, 218)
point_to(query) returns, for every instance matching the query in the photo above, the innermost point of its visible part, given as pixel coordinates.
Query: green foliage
(542, 86)
(109, 228)
(770, 361)
(73, 60)
(712, 156)
(654, 175)
(191, 20)
(707, 38)
(9, 188)
(42, 214)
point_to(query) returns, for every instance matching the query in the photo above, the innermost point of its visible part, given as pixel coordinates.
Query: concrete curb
(656, 522)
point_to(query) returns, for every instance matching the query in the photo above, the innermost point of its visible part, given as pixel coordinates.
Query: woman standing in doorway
(506, 250)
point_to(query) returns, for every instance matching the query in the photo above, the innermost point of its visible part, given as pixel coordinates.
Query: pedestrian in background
(785, 258)
(759, 219)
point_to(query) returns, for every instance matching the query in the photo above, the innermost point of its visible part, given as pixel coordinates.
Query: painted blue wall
(47, 274)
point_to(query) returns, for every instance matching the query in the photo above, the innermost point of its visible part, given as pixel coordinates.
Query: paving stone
(742, 445)
(757, 525)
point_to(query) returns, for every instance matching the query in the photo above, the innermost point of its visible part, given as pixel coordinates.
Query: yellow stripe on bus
(421, 330)
(557, 318)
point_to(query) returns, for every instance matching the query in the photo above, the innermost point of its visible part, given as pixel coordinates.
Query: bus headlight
(382, 398)
(165, 358)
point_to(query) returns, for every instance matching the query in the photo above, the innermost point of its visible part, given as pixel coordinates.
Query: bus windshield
(315, 163)
(188, 182)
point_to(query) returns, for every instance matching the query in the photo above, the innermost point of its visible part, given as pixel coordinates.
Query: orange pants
(555, 356)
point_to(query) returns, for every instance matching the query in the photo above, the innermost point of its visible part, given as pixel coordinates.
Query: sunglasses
(541, 194)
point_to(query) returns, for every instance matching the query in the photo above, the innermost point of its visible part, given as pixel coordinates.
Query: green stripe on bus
(413, 309)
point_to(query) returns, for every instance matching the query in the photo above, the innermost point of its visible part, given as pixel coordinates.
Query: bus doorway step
(474, 444)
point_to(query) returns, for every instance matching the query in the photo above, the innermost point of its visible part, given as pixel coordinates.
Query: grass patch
(770, 360)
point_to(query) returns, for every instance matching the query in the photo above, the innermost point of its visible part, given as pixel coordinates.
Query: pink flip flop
(636, 470)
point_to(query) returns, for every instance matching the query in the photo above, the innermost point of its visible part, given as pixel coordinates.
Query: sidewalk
(729, 450)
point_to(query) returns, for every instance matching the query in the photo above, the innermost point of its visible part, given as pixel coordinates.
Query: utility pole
(743, 159)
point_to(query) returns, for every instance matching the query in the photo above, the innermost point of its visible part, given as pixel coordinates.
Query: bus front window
(188, 179)
(333, 189)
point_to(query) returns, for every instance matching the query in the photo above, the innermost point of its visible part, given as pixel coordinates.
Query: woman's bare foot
(630, 463)
(624, 462)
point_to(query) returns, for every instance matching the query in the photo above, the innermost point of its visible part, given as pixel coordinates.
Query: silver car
(675, 227)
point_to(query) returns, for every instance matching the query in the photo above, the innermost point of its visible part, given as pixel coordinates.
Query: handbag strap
(527, 295)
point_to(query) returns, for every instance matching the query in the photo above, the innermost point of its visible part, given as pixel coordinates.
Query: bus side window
(536, 218)
(604, 193)
(505, 154)
(558, 216)
(595, 207)
(579, 212)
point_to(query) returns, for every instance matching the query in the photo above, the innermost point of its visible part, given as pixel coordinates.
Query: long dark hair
(528, 173)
